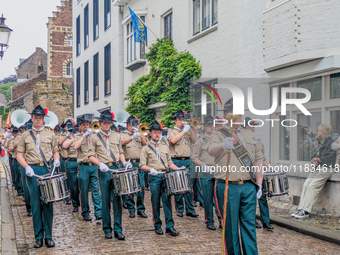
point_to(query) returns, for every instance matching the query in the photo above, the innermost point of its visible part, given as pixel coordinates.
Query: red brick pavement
(72, 235)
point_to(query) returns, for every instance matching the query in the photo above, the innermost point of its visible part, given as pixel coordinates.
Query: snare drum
(275, 184)
(53, 188)
(177, 182)
(126, 182)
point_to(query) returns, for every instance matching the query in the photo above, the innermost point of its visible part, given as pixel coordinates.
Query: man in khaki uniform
(72, 167)
(180, 138)
(12, 148)
(88, 172)
(30, 157)
(155, 159)
(106, 151)
(132, 143)
(9, 138)
(242, 189)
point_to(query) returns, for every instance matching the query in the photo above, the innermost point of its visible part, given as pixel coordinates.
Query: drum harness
(48, 165)
(112, 156)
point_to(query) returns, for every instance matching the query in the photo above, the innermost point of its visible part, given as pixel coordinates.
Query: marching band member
(242, 191)
(263, 205)
(132, 143)
(88, 172)
(180, 138)
(155, 159)
(36, 148)
(106, 151)
(72, 167)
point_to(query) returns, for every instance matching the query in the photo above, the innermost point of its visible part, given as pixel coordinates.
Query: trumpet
(195, 123)
(95, 126)
(144, 130)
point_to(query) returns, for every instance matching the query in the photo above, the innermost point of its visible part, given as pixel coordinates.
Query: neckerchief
(107, 141)
(183, 139)
(37, 140)
(157, 149)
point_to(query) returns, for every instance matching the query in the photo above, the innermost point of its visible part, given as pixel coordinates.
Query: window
(314, 85)
(287, 85)
(86, 82)
(69, 41)
(168, 26)
(307, 134)
(197, 100)
(78, 35)
(107, 14)
(284, 139)
(69, 69)
(78, 87)
(134, 51)
(86, 26)
(107, 69)
(95, 20)
(335, 85)
(205, 12)
(335, 120)
(95, 77)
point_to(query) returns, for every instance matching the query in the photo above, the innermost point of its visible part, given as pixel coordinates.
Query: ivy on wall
(168, 81)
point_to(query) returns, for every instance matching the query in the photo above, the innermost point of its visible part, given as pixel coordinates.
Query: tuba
(51, 120)
(20, 117)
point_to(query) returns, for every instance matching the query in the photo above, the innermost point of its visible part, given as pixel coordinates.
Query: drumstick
(53, 170)
(40, 177)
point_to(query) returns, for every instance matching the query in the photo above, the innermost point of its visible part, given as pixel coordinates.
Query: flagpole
(142, 21)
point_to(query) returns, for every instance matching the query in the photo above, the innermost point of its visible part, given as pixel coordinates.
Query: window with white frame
(69, 68)
(86, 27)
(210, 107)
(205, 14)
(107, 14)
(168, 26)
(134, 50)
(95, 19)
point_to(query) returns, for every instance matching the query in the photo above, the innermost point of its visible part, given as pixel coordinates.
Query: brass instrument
(95, 126)
(196, 123)
(144, 129)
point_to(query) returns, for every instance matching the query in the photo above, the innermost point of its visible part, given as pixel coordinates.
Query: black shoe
(172, 231)
(257, 225)
(159, 231)
(98, 217)
(119, 235)
(268, 226)
(131, 214)
(161, 206)
(201, 205)
(49, 242)
(147, 188)
(29, 214)
(75, 209)
(108, 235)
(194, 215)
(68, 202)
(125, 206)
(142, 214)
(179, 214)
(38, 243)
(87, 218)
(211, 227)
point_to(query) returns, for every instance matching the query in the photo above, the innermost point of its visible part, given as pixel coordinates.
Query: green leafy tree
(6, 90)
(168, 81)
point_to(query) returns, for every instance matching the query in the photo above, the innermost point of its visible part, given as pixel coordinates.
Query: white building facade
(291, 42)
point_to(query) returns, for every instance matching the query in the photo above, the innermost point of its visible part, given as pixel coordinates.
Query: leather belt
(111, 164)
(240, 182)
(181, 158)
(72, 159)
(132, 160)
(39, 164)
(86, 164)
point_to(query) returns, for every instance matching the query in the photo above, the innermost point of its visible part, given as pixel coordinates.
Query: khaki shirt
(47, 145)
(83, 150)
(149, 158)
(71, 152)
(62, 151)
(8, 145)
(221, 161)
(131, 151)
(179, 149)
(261, 146)
(98, 150)
(200, 151)
(15, 151)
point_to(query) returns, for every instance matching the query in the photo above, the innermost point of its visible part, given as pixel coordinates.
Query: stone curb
(321, 234)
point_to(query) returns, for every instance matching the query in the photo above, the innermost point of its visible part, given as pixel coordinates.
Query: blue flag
(139, 29)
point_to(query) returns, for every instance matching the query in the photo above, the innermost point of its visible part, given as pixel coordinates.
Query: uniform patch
(169, 134)
(195, 146)
(210, 138)
(89, 141)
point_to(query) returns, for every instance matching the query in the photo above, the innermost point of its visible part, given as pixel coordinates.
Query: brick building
(60, 44)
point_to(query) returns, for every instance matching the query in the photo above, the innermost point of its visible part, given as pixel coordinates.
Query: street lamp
(5, 33)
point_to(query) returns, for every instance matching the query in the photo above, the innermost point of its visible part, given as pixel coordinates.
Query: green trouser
(107, 194)
(196, 185)
(146, 179)
(17, 176)
(264, 209)
(140, 195)
(88, 175)
(42, 212)
(63, 165)
(241, 210)
(156, 185)
(187, 196)
(26, 190)
(72, 181)
(10, 160)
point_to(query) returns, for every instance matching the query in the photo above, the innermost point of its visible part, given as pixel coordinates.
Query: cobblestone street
(75, 236)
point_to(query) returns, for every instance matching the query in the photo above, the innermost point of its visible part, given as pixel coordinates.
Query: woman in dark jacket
(324, 158)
